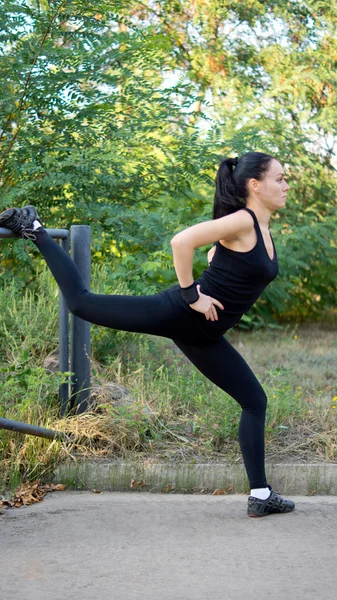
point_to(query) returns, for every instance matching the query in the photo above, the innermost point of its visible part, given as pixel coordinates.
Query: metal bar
(32, 430)
(61, 234)
(63, 343)
(80, 329)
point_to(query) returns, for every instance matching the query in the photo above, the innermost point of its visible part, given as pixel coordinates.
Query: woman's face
(272, 190)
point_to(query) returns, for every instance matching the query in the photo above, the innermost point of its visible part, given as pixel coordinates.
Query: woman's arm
(183, 261)
(184, 243)
(183, 246)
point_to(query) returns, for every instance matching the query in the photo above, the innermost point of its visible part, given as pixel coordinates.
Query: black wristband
(190, 294)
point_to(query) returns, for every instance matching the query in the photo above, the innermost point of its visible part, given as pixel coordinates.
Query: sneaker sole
(271, 513)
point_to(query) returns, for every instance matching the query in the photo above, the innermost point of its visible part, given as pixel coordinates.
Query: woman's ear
(254, 186)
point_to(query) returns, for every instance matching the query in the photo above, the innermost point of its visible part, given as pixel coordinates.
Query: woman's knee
(77, 305)
(256, 403)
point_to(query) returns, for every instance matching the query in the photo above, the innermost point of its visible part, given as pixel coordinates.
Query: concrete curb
(296, 479)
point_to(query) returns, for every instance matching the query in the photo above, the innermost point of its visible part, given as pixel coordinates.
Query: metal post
(80, 329)
(63, 343)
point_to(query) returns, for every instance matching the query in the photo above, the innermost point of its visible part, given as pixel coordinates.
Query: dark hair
(231, 181)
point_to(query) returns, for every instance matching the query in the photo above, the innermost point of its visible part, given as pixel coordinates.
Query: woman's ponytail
(231, 189)
(226, 199)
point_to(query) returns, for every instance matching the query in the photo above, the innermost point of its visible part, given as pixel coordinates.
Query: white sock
(262, 493)
(36, 224)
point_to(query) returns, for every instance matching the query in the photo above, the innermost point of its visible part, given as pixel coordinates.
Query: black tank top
(237, 279)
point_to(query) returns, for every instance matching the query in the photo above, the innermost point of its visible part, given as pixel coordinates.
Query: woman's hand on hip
(206, 305)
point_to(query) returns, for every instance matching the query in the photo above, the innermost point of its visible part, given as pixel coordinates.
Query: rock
(51, 363)
(102, 393)
(111, 393)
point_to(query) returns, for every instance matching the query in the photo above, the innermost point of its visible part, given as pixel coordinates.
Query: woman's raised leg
(151, 314)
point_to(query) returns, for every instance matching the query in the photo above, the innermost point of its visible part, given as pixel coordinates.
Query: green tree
(267, 70)
(92, 129)
(89, 133)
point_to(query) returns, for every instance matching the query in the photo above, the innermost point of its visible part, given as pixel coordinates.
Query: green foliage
(116, 114)
(285, 404)
(29, 320)
(89, 132)
(25, 387)
(307, 281)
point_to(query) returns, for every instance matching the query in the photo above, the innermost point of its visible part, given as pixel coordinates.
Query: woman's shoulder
(241, 222)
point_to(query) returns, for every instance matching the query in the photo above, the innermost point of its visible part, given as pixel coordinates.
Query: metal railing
(80, 333)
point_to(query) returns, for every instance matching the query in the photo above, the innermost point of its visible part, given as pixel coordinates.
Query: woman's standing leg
(225, 367)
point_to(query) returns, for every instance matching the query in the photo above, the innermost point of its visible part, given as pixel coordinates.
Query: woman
(196, 314)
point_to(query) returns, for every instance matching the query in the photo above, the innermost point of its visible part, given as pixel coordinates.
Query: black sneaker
(274, 504)
(20, 221)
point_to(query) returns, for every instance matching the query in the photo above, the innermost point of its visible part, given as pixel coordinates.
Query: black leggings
(160, 315)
